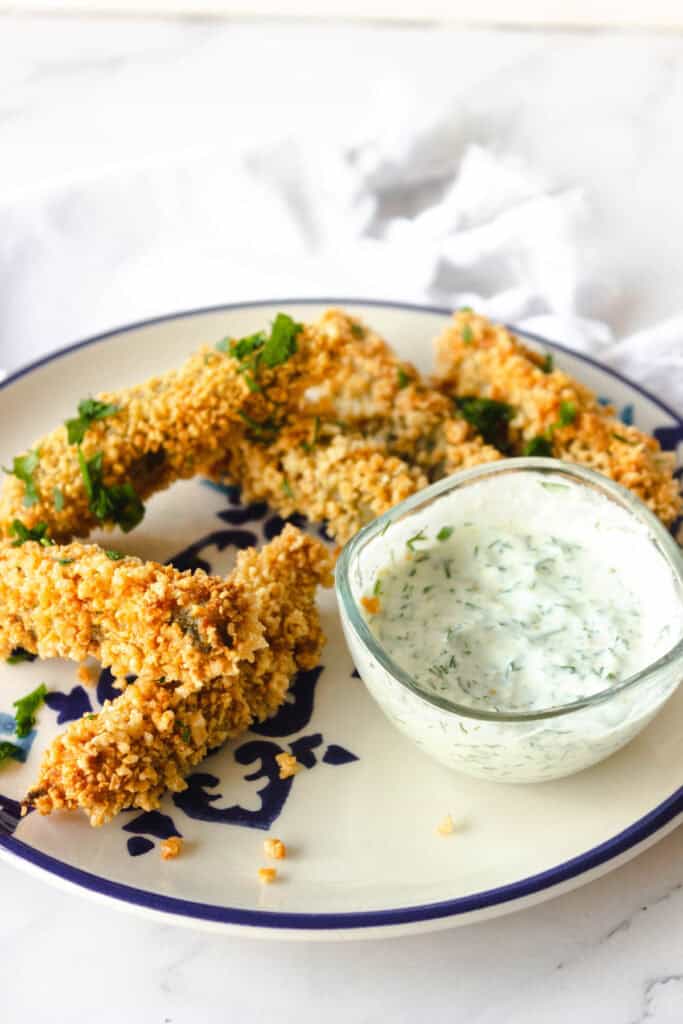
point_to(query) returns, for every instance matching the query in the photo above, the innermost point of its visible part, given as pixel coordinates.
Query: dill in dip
(524, 592)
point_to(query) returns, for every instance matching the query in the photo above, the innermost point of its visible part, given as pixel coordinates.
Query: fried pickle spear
(316, 469)
(76, 600)
(551, 413)
(374, 393)
(149, 738)
(97, 469)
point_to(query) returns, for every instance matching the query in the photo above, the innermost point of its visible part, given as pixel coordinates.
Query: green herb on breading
(489, 417)
(24, 467)
(23, 534)
(118, 503)
(89, 411)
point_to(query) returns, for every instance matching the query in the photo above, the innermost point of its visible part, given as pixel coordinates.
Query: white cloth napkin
(409, 214)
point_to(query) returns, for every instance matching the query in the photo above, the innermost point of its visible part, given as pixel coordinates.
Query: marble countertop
(92, 116)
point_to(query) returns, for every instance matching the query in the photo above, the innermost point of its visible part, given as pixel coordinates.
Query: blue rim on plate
(637, 833)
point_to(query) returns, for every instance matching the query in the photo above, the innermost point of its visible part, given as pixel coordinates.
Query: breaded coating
(372, 392)
(342, 480)
(150, 737)
(478, 358)
(170, 428)
(135, 617)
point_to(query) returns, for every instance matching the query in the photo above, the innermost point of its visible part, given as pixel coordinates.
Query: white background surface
(148, 166)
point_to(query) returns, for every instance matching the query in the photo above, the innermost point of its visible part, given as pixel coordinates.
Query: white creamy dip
(515, 593)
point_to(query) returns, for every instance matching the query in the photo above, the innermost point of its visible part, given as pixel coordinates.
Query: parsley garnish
(23, 467)
(377, 589)
(403, 378)
(58, 499)
(567, 414)
(466, 309)
(186, 734)
(287, 488)
(414, 540)
(27, 706)
(38, 533)
(119, 503)
(489, 417)
(282, 341)
(467, 335)
(65, 561)
(115, 556)
(8, 750)
(20, 654)
(89, 411)
(444, 533)
(539, 446)
(357, 330)
(548, 363)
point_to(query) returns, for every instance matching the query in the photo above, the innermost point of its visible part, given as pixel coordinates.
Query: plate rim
(611, 849)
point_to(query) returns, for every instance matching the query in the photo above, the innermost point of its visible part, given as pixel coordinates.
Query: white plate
(365, 858)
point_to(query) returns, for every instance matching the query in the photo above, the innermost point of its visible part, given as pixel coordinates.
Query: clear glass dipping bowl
(532, 746)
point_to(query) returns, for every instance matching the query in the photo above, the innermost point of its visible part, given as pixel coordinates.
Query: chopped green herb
(548, 364)
(20, 654)
(444, 533)
(38, 533)
(282, 341)
(467, 335)
(403, 378)
(65, 561)
(489, 417)
(385, 527)
(9, 750)
(115, 556)
(245, 346)
(377, 589)
(118, 503)
(24, 467)
(416, 539)
(287, 488)
(357, 330)
(91, 716)
(58, 499)
(466, 309)
(27, 706)
(186, 734)
(89, 411)
(539, 446)
(567, 413)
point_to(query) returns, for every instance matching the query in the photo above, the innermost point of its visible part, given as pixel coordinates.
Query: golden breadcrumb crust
(374, 393)
(170, 428)
(476, 357)
(148, 739)
(135, 617)
(342, 480)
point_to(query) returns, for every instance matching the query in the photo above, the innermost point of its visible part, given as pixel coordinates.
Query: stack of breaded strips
(321, 419)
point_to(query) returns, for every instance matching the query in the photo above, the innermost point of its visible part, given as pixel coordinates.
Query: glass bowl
(505, 746)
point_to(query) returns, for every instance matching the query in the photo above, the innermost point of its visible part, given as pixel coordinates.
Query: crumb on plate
(267, 875)
(171, 848)
(274, 848)
(288, 765)
(446, 827)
